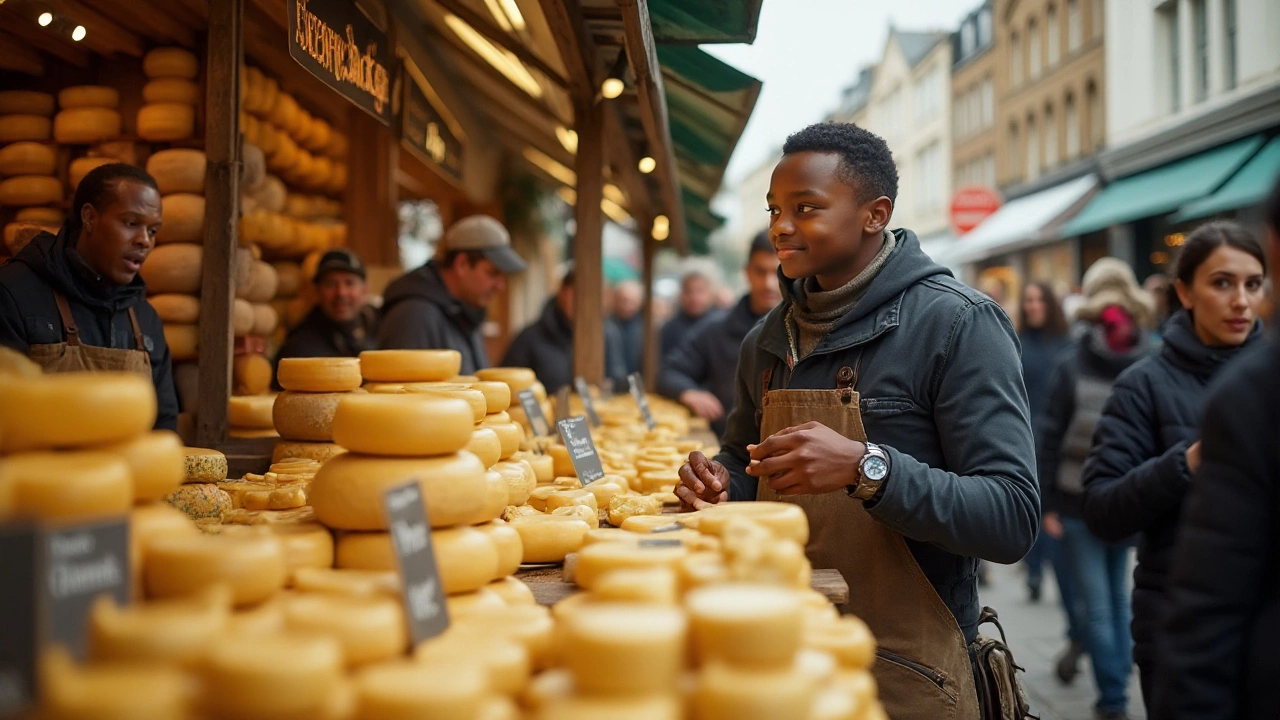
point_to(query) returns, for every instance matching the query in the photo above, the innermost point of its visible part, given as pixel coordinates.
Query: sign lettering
(582, 450)
(424, 130)
(335, 42)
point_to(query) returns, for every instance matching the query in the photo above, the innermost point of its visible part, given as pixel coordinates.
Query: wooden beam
(568, 27)
(373, 191)
(653, 113)
(155, 22)
(41, 39)
(100, 28)
(588, 262)
(649, 360)
(504, 40)
(222, 210)
(19, 57)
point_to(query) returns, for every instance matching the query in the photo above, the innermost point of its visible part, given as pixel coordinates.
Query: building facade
(973, 100)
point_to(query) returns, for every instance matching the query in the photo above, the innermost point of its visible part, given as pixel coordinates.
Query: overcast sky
(806, 51)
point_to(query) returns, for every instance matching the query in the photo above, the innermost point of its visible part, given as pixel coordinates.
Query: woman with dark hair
(1146, 447)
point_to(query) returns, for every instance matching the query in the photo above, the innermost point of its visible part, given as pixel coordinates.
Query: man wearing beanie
(341, 324)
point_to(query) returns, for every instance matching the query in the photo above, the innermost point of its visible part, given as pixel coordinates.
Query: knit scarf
(816, 311)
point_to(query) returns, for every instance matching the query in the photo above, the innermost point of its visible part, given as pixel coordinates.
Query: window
(1074, 26)
(1073, 128)
(1015, 63)
(1033, 49)
(988, 103)
(1202, 49)
(1033, 150)
(925, 95)
(967, 40)
(1051, 27)
(1050, 138)
(1175, 57)
(1097, 20)
(1230, 22)
(984, 27)
(1094, 107)
(1015, 147)
(929, 178)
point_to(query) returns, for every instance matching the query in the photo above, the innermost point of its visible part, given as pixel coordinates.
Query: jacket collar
(1183, 348)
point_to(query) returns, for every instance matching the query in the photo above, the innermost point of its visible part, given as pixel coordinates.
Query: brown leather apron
(72, 356)
(922, 666)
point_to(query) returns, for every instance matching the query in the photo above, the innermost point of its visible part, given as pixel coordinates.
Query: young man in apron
(74, 301)
(886, 399)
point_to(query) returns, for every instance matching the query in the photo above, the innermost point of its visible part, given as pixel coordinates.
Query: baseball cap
(481, 232)
(339, 259)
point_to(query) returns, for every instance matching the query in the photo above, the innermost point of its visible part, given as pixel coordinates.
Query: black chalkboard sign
(80, 563)
(423, 594)
(582, 450)
(533, 411)
(637, 392)
(334, 41)
(588, 403)
(20, 598)
(424, 131)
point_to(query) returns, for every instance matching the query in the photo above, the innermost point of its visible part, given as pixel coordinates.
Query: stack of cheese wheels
(518, 379)
(303, 414)
(171, 95)
(199, 497)
(88, 115)
(255, 316)
(250, 416)
(28, 165)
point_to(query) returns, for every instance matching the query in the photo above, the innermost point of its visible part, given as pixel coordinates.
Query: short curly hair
(865, 160)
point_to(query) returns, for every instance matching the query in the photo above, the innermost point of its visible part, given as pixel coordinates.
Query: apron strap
(68, 321)
(847, 379)
(137, 332)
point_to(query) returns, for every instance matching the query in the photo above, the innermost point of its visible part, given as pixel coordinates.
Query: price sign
(419, 577)
(533, 411)
(637, 392)
(582, 450)
(562, 403)
(19, 605)
(588, 404)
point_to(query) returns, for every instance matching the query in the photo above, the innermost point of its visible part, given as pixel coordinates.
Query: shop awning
(1245, 188)
(1162, 189)
(707, 21)
(1025, 221)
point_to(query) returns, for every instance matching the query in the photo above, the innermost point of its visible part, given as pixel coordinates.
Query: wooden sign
(424, 130)
(582, 449)
(422, 591)
(334, 41)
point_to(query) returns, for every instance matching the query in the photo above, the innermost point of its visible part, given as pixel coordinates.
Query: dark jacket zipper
(934, 676)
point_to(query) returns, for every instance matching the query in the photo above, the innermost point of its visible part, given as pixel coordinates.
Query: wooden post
(373, 218)
(651, 358)
(222, 212)
(588, 305)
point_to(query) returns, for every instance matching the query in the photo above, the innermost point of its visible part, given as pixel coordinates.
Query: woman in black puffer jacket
(1146, 445)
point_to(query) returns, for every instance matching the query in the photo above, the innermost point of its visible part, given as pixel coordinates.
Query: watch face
(875, 468)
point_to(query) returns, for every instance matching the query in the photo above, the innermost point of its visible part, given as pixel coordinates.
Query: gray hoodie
(419, 313)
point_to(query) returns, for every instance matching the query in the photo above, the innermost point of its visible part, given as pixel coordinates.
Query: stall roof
(1247, 187)
(1024, 220)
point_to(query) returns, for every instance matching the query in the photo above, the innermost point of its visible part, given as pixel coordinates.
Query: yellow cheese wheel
(725, 692)
(175, 308)
(85, 125)
(411, 691)
(165, 122)
(170, 62)
(847, 638)
(16, 128)
(30, 190)
(67, 485)
(531, 625)
(560, 461)
(598, 559)
(543, 467)
(41, 216)
(505, 661)
(485, 444)
(175, 631)
(250, 412)
(410, 365)
(262, 283)
(110, 691)
(74, 409)
(466, 558)
(510, 435)
(173, 269)
(463, 604)
(748, 625)
(512, 590)
(347, 581)
(241, 317)
(516, 378)
(520, 481)
(178, 170)
(183, 219)
(415, 425)
(567, 497)
(507, 541)
(204, 465)
(306, 416)
(318, 451)
(253, 566)
(370, 628)
(251, 374)
(549, 538)
(265, 320)
(26, 102)
(319, 374)
(624, 648)
(27, 158)
(497, 396)
(171, 90)
(785, 520)
(183, 341)
(264, 677)
(88, 96)
(156, 463)
(495, 499)
(306, 545)
(658, 585)
(474, 398)
(347, 491)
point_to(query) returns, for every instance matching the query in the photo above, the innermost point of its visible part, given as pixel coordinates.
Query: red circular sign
(971, 205)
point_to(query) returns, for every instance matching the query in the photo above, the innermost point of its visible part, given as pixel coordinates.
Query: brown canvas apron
(72, 356)
(922, 666)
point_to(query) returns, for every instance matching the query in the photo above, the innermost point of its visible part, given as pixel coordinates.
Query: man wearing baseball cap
(341, 324)
(442, 304)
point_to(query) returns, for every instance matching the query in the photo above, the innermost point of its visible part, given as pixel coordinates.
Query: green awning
(705, 21)
(1245, 188)
(1162, 189)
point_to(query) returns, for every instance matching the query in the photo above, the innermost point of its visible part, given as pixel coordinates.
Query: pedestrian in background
(697, 298)
(1115, 316)
(1147, 442)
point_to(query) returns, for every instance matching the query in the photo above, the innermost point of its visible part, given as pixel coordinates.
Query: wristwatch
(872, 471)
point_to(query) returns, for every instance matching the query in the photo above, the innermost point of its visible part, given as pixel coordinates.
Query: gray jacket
(941, 391)
(418, 313)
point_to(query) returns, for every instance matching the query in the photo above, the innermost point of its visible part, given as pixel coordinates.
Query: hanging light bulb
(45, 19)
(78, 34)
(647, 164)
(661, 228)
(612, 88)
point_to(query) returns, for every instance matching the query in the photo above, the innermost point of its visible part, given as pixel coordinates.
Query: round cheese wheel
(16, 128)
(242, 318)
(170, 62)
(405, 691)
(26, 102)
(726, 692)
(67, 485)
(74, 409)
(624, 648)
(83, 166)
(157, 463)
(252, 565)
(175, 308)
(253, 166)
(183, 341)
(85, 125)
(110, 691)
(267, 676)
(485, 444)
(520, 481)
(319, 451)
(178, 170)
(562, 465)
(27, 158)
(507, 541)
(262, 284)
(482, 600)
(289, 279)
(413, 425)
(474, 398)
(531, 625)
(251, 412)
(598, 559)
(306, 416)
(319, 374)
(265, 319)
(147, 522)
(410, 365)
(466, 558)
(495, 501)
(165, 122)
(510, 435)
(176, 631)
(347, 582)
(364, 551)
(785, 520)
(497, 396)
(89, 96)
(183, 219)
(347, 492)
(204, 465)
(30, 190)
(306, 546)
(171, 90)
(173, 268)
(41, 216)
(370, 628)
(505, 661)
(748, 625)
(251, 375)
(543, 467)
(847, 638)
(516, 378)
(512, 590)
(548, 538)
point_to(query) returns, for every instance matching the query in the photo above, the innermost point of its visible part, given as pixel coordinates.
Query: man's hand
(1053, 525)
(703, 404)
(703, 483)
(808, 459)
(1193, 456)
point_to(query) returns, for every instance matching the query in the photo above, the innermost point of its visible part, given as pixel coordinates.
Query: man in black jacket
(342, 323)
(443, 304)
(696, 301)
(75, 301)
(701, 370)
